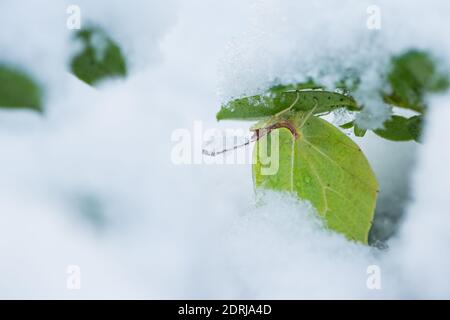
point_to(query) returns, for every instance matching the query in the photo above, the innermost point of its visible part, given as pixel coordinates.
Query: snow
(421, 249)
(91, 183)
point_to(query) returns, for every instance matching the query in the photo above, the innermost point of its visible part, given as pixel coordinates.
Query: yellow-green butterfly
(316, 161)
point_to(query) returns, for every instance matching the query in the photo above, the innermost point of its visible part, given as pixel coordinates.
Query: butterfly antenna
(216, 153)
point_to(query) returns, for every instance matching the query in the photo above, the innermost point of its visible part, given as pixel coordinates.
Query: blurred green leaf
(348, 125)
(415, 125)
(100, 57)
(358, 131)
(396, 129)
(18, 90)
(414, 74)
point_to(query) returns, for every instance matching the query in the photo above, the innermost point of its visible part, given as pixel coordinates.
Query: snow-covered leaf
(275, 101)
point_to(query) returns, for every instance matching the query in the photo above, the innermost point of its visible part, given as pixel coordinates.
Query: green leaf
(415, 126)
(18, 90)
(396, 129)
(359, 132)
(324, 166)
(413, 75)
(277, 100)
(99, 59)
(348, 125)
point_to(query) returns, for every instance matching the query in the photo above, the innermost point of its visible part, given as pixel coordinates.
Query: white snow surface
(91, 182)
